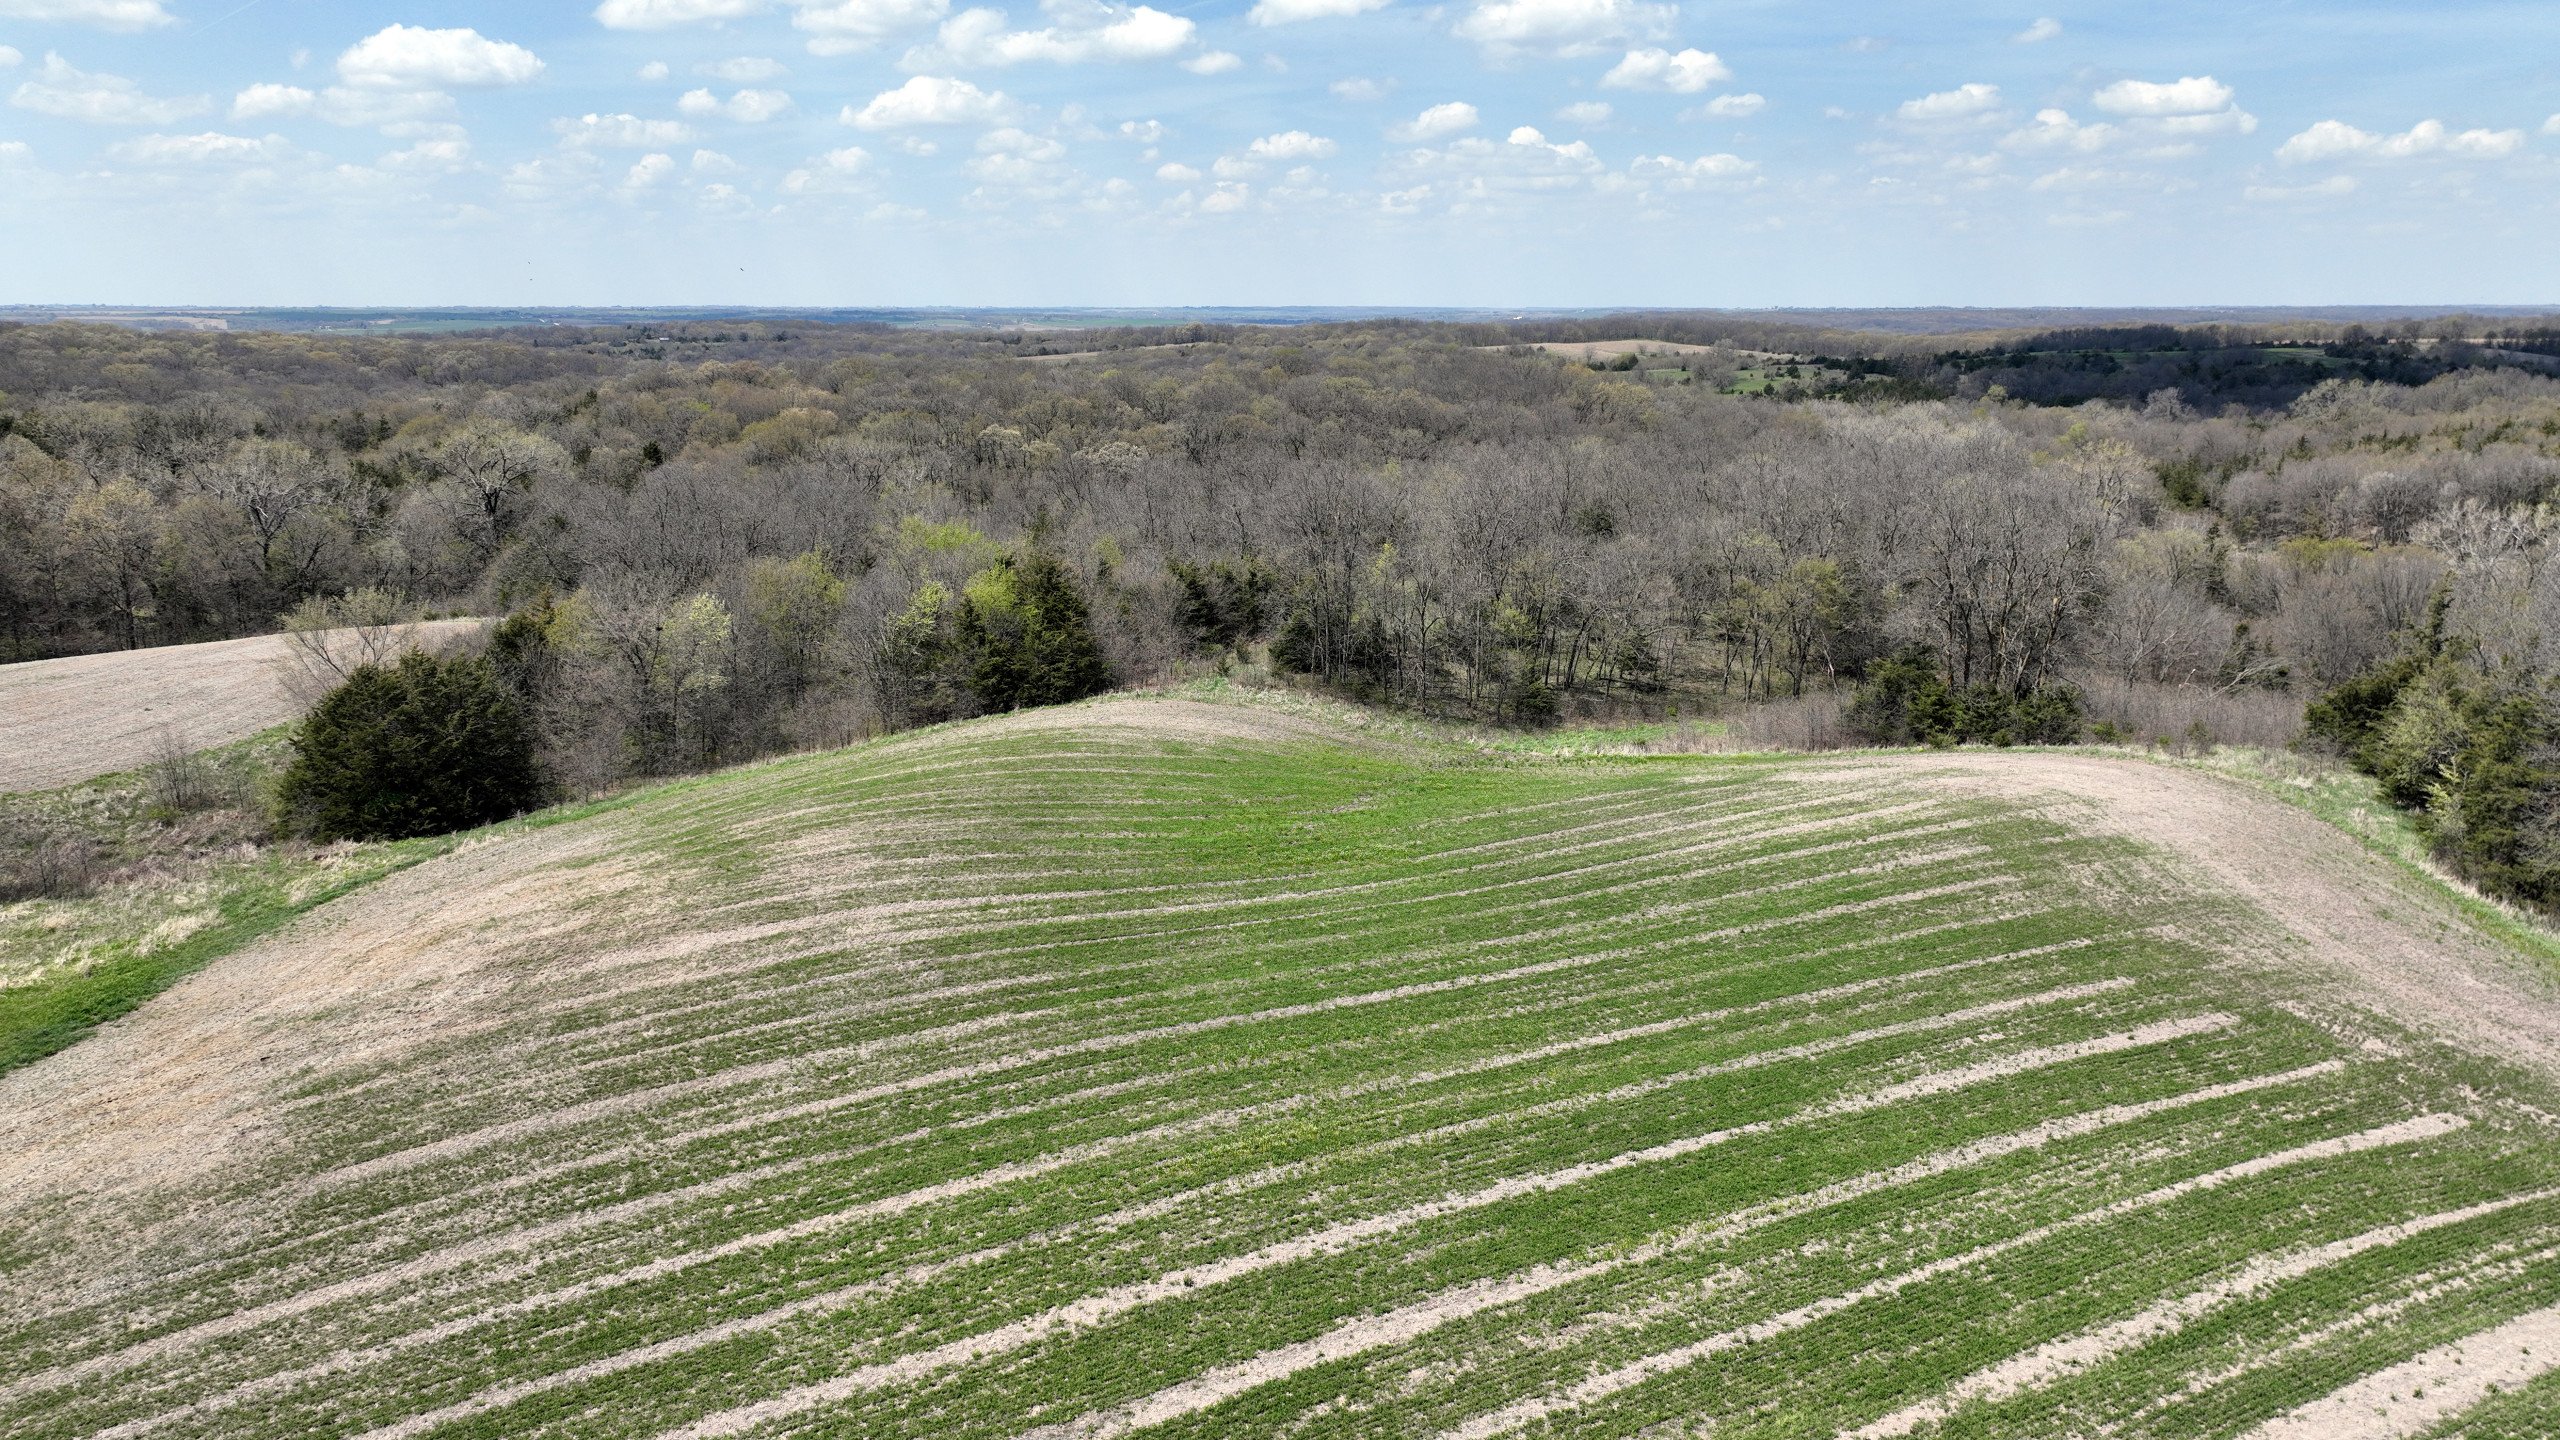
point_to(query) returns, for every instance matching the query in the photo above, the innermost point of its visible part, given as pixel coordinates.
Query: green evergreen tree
(423, 747)
(1025, 623)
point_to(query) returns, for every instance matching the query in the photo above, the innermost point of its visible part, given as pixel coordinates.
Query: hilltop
(1154, 1066)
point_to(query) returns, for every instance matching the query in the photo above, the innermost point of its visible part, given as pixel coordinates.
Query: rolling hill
(1166, 1068)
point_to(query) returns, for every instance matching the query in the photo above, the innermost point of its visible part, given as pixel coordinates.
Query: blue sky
(1473, 152)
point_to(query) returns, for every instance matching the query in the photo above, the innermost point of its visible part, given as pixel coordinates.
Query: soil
(65, 721)
(2346, 914)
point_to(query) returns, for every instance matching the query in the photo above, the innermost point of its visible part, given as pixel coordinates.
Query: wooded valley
(709, 543)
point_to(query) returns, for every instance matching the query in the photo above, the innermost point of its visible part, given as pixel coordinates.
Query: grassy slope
(780, 1159)
(69, 965)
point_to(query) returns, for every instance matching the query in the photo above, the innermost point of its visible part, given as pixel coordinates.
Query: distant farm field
(63, 721)
(1164, 1068)
(1612, 349)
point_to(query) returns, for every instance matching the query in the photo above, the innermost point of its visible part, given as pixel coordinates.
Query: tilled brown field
(1172, 1069)
(63, 721)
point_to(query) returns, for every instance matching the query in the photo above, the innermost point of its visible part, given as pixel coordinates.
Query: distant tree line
(764, 538)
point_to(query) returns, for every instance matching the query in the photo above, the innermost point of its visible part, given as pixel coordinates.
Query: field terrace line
(2503, 1263)
(445, 1261)
(2414, 1396)
(646, 952)
(823, 1105)
(1516, 1417)
(1724, 824)
(1370, 1333)
(569, 1117)
(1185, 1282)
(2070, 1355)
(1096, 1309)
(485, 1247)
(839, 1014)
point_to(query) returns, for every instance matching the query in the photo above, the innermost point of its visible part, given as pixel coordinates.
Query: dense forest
(711, 542)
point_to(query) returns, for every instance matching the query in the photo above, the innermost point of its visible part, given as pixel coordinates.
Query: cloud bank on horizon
(1571, 152)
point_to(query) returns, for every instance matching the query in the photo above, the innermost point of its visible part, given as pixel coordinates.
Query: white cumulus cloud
(649, 171)
(407, 57)
(929, 100)
(1292, 145)
(621, 132)
(10, 59)
(68, 93)
(1962, 103)
(1290, 12)
(261, 101)
(1177, 173)
(1684, 73)
(211, 148)
(105, 14)
(1685, 174)
(1103, 32)
(1439, 122)
(1728, 107)
(1214, 62)
(2329, 189)
(446, 154)
(747, 107)
(665, 14)
(1586, 112)
(1013, 141)
(841, 27)
(2337, 140)
(835, 172)
(745, 70)
(1563, 27)
(2194, 95)
(2056, 130)
(2045, 29)
(654, 70)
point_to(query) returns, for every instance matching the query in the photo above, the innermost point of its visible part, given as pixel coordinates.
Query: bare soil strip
(1411, 1322)
(1096, 1309)
(1513, 1418)
(2061, 1359)
(63, 721)
(1118, 1221)
(529, 1240)
(172, 1090)
(743, 1076)
(260, 1061)
(2337, 901)
(2419, 1393)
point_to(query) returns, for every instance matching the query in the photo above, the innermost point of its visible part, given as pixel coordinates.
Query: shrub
(1906, 700)
(43, 862)
(2189, 717)
(423, 747)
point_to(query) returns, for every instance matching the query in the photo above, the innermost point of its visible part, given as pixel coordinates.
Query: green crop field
(1185, 1070)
